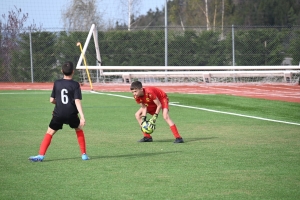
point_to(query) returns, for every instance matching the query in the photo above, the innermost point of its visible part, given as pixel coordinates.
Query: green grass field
(224, 156)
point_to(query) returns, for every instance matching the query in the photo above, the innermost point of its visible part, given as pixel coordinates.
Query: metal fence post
(166, 35)
(233, 55)
(31, 64)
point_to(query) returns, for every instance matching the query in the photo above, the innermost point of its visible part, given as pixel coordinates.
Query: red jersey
(151, 93)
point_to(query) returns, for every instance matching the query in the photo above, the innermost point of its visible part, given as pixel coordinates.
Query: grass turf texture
(223, 157)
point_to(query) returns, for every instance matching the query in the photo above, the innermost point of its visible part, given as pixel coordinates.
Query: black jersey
(65, 92)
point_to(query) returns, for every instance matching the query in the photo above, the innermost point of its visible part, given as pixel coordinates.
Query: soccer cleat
(38, 158)
(179, 140)
(85, 157)
(145, 139)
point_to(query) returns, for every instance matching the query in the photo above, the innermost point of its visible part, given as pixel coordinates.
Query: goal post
(93, 32)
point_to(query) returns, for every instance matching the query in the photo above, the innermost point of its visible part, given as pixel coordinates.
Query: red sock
(81, 141)
(175, 131)
(147, 135)
(45, 144)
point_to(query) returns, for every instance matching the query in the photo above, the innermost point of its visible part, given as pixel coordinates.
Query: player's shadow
(186, 140)
(117, 156)
(135, 155)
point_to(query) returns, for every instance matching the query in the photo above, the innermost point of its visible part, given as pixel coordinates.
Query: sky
(48, 13)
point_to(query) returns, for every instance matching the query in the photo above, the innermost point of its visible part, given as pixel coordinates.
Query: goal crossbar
(279, 67)
(197, 73)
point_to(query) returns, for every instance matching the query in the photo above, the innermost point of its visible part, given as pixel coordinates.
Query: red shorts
(151, 109)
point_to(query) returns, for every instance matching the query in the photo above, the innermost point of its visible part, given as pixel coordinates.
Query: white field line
(209, 110)
(192, 107)
(240, 115)
(28, 93)
(115, 95)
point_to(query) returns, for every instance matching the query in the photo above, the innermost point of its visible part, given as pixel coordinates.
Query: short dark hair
(67, 68)
(136, 85)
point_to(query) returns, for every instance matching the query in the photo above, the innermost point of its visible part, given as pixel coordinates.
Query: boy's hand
(153, 119)
(151, 126)
(82, 122)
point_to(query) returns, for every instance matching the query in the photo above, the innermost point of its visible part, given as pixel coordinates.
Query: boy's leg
(147, 137)
(44, 146)
(175, 131)
(74, 122)
(176, 134)
(81, 140)
(138, 116)
(82, 144)
(178, 138)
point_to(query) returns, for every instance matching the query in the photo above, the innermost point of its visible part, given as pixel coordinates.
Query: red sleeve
(137, 99)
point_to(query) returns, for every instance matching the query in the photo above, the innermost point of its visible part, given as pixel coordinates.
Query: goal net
(228, 76)
(195, 74)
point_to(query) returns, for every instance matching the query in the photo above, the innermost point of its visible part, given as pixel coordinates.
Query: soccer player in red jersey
(66, 95)
(152, 101)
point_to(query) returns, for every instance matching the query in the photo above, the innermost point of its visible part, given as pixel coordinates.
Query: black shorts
(57, 123)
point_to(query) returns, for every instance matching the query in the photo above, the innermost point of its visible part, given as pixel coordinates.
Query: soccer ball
(146, 128)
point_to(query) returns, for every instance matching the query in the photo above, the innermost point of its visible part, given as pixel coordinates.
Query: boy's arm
(158, 108)
(79, 108)
(158, 104)
(52, 100)
(144, 109)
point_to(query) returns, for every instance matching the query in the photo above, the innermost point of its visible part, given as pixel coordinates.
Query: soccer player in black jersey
(66, 95)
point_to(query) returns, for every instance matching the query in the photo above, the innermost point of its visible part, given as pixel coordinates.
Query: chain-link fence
(37, 56)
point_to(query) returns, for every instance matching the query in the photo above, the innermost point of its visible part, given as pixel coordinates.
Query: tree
(295, 48)
(43, 59)
(292, 17)
(215, 13)
(81, 14)
(152, 19)
(266, 12)
(10, 29)
(196, 12)
(131, 8)
(259, 47)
